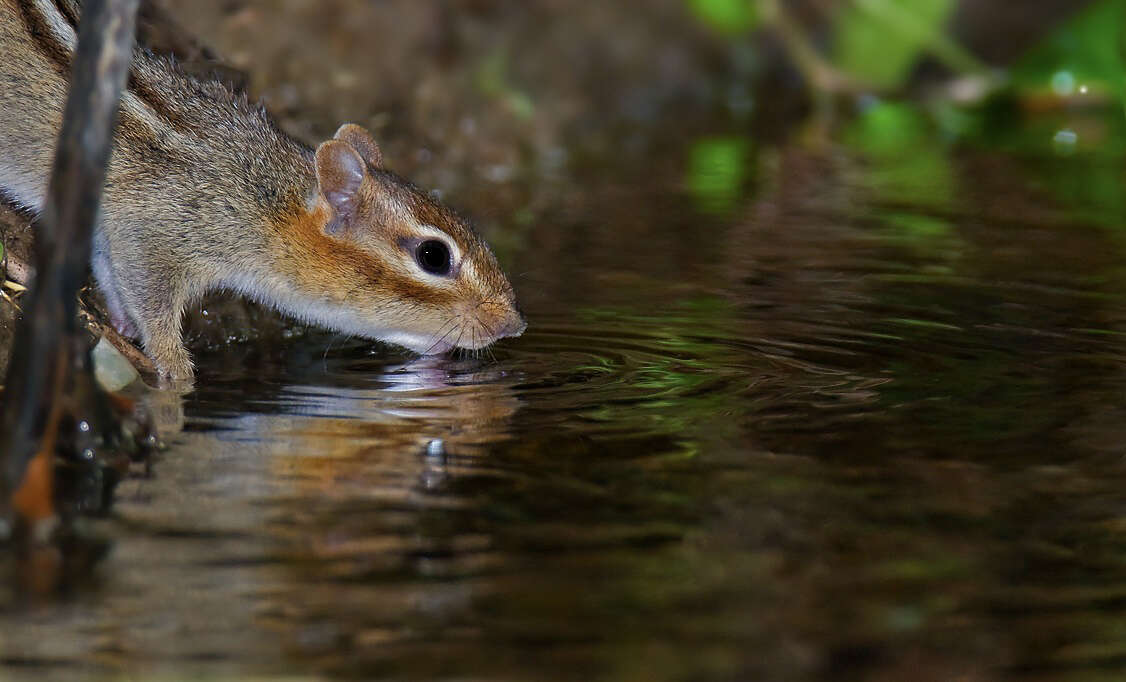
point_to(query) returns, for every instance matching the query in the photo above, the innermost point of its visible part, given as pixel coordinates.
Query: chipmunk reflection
(336, 479)
(359, 472)
(336, 442)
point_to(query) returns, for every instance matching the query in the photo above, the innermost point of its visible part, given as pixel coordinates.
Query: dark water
(856, 418)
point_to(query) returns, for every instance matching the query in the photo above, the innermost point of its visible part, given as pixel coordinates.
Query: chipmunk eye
(433, 256)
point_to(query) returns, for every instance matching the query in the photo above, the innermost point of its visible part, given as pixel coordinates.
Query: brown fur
(361, 141)
(204, 191)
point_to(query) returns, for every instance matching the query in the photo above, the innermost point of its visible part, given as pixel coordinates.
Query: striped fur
(204, 191)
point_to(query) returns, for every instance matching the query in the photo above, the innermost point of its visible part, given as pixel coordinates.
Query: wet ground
(832, 409)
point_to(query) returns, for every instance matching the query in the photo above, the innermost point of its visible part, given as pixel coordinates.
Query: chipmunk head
(394, 264)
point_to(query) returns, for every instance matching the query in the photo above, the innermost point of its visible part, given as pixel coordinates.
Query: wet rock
(111, 368)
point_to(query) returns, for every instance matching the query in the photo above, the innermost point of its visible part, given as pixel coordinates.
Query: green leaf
(919, 228)
(730, 17)
(879, 41)
(907, 163)
(717, 172)
(1083, 53)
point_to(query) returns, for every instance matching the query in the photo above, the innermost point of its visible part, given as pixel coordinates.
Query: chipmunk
(204, 192)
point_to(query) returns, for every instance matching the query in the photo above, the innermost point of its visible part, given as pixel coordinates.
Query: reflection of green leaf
(956, 122)
(730, 17)
(907, 163)
(927, 324)
(920, 225)
(888, 129)
(1088, 180)
(879, 40)
(1093, 190)
(717, 172)
(1083, 52)
(678, 373)
(931, 241)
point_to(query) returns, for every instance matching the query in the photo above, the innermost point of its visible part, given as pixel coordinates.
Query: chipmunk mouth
(475, 326)
(464, 334)
(517, 327)
(466, 331)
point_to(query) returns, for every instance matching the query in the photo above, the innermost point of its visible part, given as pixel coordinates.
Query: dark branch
(45, 344)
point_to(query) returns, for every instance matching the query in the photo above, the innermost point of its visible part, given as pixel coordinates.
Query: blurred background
(486, 99)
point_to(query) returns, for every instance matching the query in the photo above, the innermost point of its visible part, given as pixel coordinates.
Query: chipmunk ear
(362, 141)
(340, 172)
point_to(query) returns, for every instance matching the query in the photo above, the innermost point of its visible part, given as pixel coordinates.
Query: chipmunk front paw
(174, 367)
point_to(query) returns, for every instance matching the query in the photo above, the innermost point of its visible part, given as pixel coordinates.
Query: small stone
(111, 369)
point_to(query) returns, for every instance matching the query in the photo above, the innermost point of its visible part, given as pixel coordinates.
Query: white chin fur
(429, 345)
(338, 318)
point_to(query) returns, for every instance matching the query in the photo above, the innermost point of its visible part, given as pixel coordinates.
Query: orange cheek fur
(337, 270)
(311, 259)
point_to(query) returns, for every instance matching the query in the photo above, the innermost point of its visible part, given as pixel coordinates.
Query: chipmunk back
(204, 191)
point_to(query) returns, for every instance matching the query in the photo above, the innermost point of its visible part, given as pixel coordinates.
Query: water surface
(855, 415)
